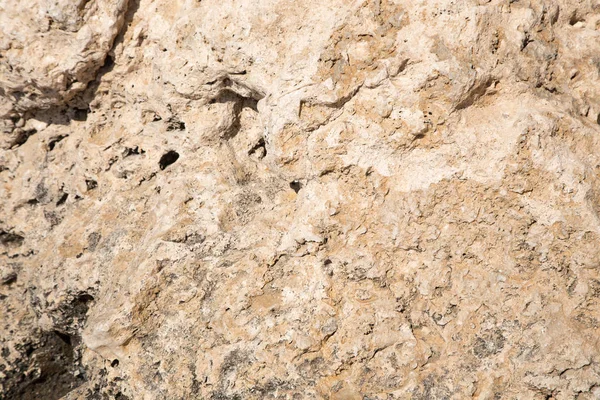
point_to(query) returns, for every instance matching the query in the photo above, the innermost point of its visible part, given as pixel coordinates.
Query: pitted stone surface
(291, 200)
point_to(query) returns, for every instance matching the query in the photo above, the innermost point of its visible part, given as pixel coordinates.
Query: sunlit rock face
(268, 199)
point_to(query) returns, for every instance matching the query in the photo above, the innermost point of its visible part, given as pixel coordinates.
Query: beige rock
(270, 199)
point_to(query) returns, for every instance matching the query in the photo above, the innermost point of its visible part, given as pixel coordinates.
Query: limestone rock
(269, 199)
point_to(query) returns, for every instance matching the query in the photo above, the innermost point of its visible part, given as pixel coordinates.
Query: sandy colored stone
(299, 200)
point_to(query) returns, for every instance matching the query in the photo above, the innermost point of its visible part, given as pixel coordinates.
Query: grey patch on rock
(11, 239)
(93, 240)
(432, 388)
(46, 369)
(489, 344)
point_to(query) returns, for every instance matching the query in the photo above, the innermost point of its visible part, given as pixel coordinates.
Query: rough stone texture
(267, 199)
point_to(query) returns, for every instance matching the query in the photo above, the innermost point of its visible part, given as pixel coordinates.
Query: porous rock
(268, 199)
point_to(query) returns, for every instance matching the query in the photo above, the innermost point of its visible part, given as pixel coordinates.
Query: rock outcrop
(343, 200)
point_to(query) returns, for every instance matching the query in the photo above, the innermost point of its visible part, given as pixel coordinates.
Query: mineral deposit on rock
(316, 199)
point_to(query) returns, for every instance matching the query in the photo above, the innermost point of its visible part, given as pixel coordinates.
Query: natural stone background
(319, 199)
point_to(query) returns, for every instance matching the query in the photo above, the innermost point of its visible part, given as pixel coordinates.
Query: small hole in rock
(64, 337)
(85, 298)
(114, 363)
(575, 18)
(22, 137)
(168, 158)
(174, 124)
(327, 262)
(10, 279)
(259, 150)
(296, 185)
(598, 119)
(109, 63)
(62, 199)
(80, 114)
(52, 143)
(91, 184)
(129, 151)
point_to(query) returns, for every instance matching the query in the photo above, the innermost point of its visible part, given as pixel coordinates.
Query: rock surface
(269, 199)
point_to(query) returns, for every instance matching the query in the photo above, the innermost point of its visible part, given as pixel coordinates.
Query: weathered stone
(340, 200)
